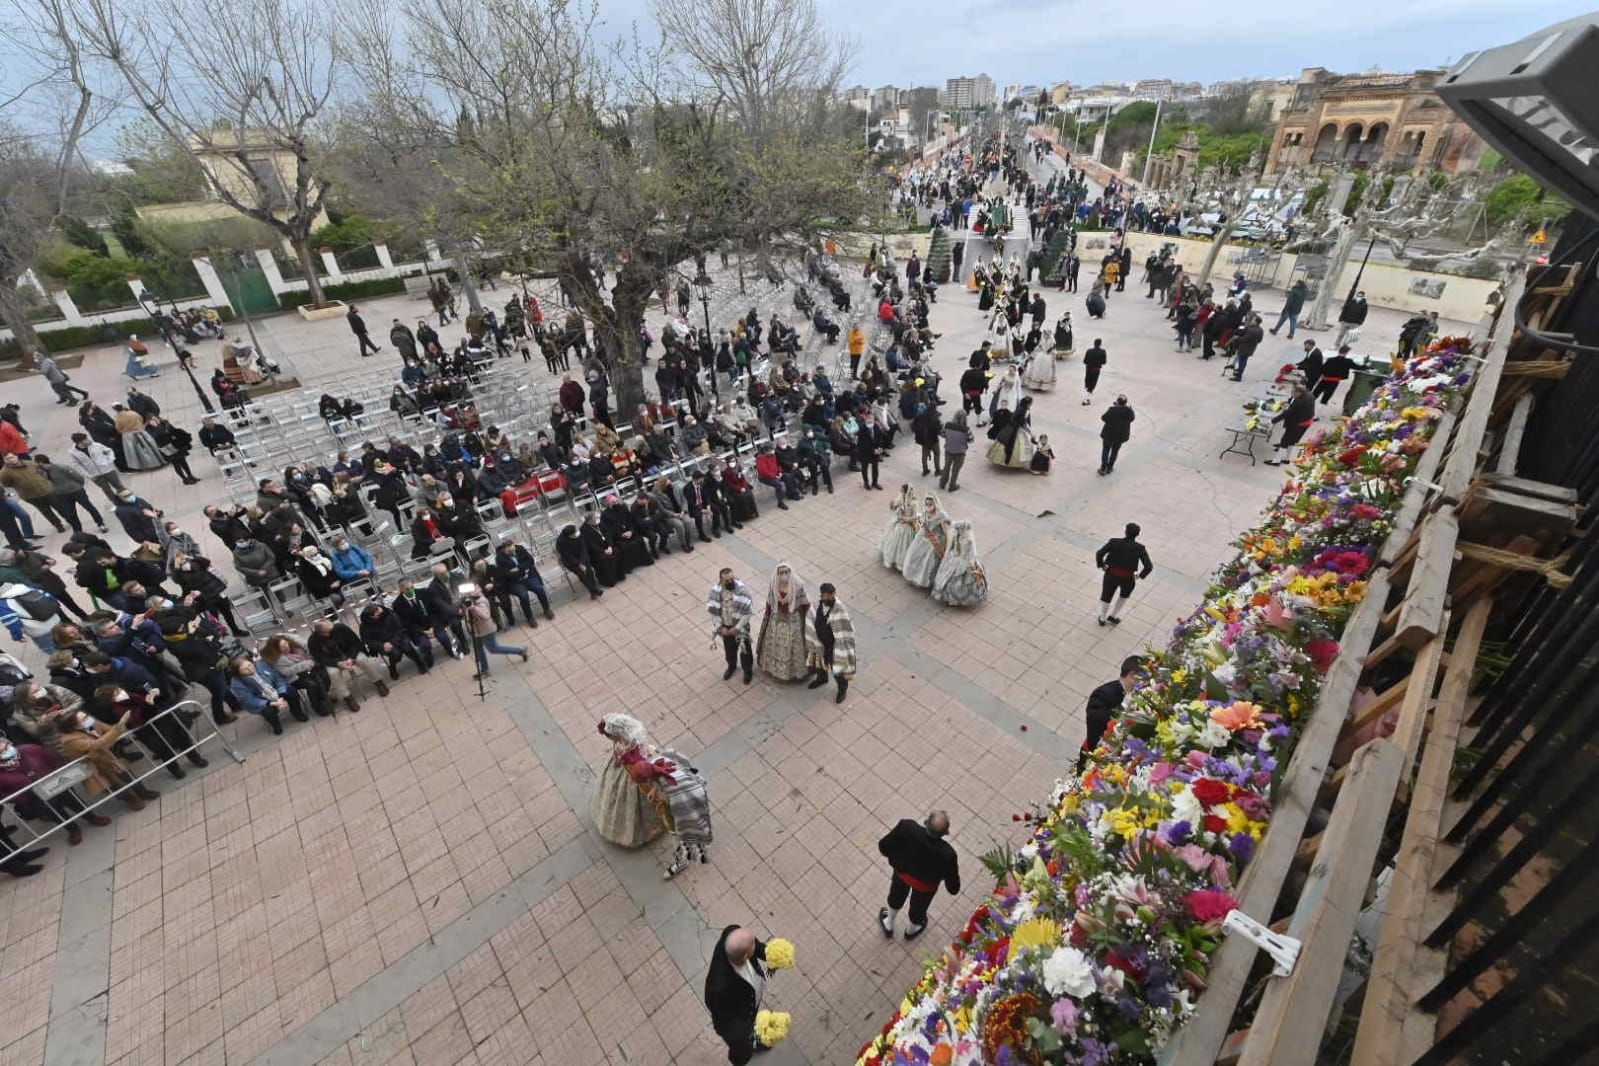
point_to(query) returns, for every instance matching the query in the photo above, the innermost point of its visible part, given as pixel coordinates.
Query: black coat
(572, 552)
(330, 649)
(517, 565)
(1123, 554)
(413, 614)
(1118, 419)
(443, 608)
(911, 848)
(385, 627)
(731, 1000)
(1103, 703)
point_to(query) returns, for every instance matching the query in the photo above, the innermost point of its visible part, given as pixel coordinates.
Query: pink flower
(1160, 772)
(1063, 1016)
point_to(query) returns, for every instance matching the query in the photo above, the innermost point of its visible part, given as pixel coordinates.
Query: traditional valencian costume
(900, 532)
(961, 581)
(924, 556)
(780, 648)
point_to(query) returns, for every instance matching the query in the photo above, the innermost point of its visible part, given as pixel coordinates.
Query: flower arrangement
(1098, 936)
(779, 954)
(772, 1026)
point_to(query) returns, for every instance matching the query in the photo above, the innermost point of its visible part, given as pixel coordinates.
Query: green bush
(64, 340)
(1519, 192)
(354, 290)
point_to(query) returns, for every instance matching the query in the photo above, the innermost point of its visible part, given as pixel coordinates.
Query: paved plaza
(421, 882)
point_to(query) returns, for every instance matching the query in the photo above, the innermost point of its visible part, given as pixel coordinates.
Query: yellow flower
(779, 953)
(1179, 675)
(772, 1026)
(1033, 933)
(1414, 414)
(963, 1019)
(1124, 823)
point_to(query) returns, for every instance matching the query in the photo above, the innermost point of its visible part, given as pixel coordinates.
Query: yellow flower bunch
(1239, 822)
(1415, 414)
(772, 1026)
(779, 954)
(1033, 933)
(1123, 823)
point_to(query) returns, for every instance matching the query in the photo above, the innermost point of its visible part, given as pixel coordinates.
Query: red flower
(1215, 823)
(1322, 652)
(1351, 457)
(998, 950)
(1209, 905)
(1210, 792)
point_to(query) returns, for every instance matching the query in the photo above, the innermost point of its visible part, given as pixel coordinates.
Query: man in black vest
(921, 860)
(1120, 558)
(1103, 703)
(733, 989)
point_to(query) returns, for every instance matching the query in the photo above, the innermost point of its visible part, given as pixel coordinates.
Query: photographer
(475, 608)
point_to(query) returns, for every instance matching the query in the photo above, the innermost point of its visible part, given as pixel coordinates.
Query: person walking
(830, 641)
(1293, 304)
(731, 607)
(1333, 374)
(1295, 419)
(1094, 361)
(928, 431)
(734, 986)
(98, 463)
(1118, 426)
(1351, 317)
(480, 620)
(957, 440)
(28, 481)
(60, 383)
(1103, 703)
(921, 860)
(358, 327)
(1120, 559)
(67, 484)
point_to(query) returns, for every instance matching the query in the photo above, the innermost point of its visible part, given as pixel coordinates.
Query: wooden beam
(1527, 487)
(1515, 429)
(1461, 466)
(1491, 515)
(1292, 1018)
(1413, 711)
(1200, 1040)
(1392, 1033)
(1414, 501)
(1421, 613)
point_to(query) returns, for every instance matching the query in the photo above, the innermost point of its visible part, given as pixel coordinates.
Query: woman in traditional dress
(925, 554)
(1063, 336)
(630, 809)
(961, 581)
(900, 532)
(138, 447)
(780, 648)
(1013, 445)
(1038, 373)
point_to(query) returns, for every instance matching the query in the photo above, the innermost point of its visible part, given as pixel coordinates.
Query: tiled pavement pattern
(420, 882)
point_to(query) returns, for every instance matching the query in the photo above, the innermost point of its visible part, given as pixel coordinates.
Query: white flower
(1185, 807)
(1213, 735)
(1113, 979)
(1028, 851)
(1068, 972)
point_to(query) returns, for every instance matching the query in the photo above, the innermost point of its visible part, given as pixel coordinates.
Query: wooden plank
(1414, 501)
(1199, 1041)
(1390, 1034)
(1412, 721)
(1461, 466)
(1490, 515)
(1527, 487)
(1515, 429)
(1289, 1024)
(1421, 613)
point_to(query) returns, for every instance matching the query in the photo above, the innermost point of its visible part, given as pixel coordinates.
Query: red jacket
(12, 442)
(767, 466)
(734, 480)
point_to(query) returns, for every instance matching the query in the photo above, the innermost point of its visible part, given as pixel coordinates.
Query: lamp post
(702, 285)
(187, 364)
(1149, 156)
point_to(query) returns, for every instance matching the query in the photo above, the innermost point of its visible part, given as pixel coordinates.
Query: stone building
(1368, 119)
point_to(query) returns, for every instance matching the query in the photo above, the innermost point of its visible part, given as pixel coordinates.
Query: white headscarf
(797, 601)
(624, 729)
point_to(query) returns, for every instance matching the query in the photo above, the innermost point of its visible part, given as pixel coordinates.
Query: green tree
(1522, 194)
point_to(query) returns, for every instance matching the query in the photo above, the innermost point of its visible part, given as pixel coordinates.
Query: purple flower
(1242, 845)
(1094, 1053)
(1178, 833)
(930, 1027)
(1064, 1016)
(1129, 1008)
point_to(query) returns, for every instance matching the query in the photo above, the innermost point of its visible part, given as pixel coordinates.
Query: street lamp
(185, 360)
(702, 285)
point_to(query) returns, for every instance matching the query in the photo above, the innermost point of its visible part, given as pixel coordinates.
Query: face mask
(119, 695)
(728, 584)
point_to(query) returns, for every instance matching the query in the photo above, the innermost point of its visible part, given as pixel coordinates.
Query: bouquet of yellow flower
(771, 1026)
(779, 954)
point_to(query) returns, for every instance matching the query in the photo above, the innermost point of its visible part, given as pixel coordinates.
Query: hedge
(351, 290)
(64, 340)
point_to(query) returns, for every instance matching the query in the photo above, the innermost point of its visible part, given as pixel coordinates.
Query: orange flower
(1240, 715)
(942, 1055)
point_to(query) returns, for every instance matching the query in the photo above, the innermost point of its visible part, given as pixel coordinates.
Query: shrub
(354, 290)
(64, 340)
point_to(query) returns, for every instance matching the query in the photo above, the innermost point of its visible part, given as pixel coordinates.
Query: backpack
(40, 606)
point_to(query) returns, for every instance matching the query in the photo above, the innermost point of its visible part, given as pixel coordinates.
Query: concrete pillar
(331, 265)
(215, 291)
(432, 248)
(69, 309)
(269, 267)
(385, 260)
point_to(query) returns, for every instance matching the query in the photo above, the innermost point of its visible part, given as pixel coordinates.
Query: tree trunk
(308, 263)
(15, 316)
(1216, 243)
(616, 327)
(468, 286)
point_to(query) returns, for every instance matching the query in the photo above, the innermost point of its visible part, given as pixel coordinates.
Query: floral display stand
(1105, 927)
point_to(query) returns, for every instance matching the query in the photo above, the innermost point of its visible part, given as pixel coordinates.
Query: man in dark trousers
(1094, 361)
(1311, 365)
(928, 430)
(1120, 559)
(1351, 316)
(734, 986)
(1125, 262)
(1118, 426)
(1295, 418)
(1244, 345)
(1103, 704)
(921, 860)
(869, 450)
(1073, 266)
(1333, 374)
(358, 327)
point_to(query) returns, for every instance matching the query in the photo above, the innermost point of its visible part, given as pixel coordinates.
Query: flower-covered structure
(1097, 941)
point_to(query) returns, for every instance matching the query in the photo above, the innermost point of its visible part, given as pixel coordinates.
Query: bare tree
(246, 104)
(27, 179)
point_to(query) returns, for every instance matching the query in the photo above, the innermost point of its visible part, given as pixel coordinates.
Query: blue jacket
(250, 697)
(348, 562)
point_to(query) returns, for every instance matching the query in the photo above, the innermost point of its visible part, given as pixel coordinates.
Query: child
(1043, 456)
